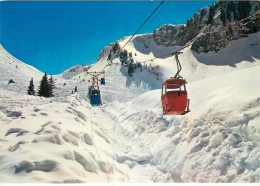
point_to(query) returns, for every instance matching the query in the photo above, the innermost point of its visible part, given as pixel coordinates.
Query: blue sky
(54, 36)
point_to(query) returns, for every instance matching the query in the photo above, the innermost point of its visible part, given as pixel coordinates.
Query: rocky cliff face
(171, 35)
(208, 21)
(231, 12)
(217, 41)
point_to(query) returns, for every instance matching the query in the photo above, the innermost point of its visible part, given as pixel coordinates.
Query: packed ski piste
(136, 117)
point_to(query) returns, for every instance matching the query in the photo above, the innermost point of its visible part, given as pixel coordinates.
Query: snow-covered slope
(194, 66)
(12, 68)
(218, 141)
(64, 139)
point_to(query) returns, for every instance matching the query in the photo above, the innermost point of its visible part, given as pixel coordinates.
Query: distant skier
(11, 81)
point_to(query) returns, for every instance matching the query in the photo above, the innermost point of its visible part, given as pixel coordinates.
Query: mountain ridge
(180, 35)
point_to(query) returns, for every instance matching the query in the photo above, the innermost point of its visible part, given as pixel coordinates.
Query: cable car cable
(142, 25)
(96, 74)
(115, 55)
(159, 12)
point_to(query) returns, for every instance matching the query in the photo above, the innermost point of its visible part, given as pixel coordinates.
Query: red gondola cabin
(174, 97)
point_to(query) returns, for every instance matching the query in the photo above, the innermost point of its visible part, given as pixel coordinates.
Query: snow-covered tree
(124, 57)
(45, 88)
(52, 86)
(131, 68)
(115, 47)
(31, 90)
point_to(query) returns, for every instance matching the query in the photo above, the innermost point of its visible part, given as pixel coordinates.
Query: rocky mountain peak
(209, 20)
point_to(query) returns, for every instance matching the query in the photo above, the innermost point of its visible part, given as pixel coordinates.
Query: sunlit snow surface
(65, 140)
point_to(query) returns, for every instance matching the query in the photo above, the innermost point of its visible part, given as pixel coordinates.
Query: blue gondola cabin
(94, 97)
(102, 80)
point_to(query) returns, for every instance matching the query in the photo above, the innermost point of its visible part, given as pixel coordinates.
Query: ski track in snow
(65, 140)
